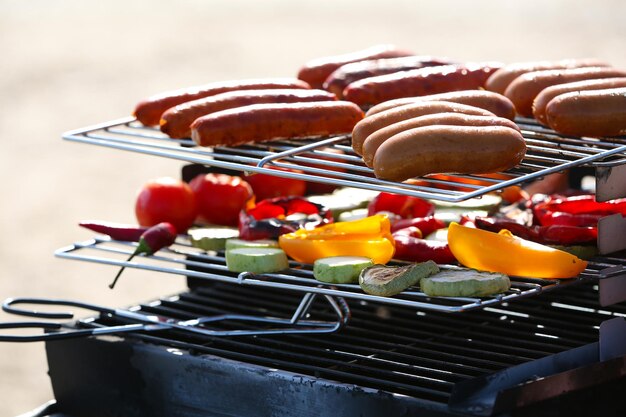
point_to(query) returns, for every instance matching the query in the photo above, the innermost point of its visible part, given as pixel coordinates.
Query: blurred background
(72, 63)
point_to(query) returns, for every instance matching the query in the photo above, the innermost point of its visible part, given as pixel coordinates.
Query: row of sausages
(580, 97)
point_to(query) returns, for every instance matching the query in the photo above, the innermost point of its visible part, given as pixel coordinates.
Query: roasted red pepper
(554, 234)
(580, 210)
(157, 237)
(277, 216)
(116, 231)
(427, 225)
(410, 247)
(404, 206)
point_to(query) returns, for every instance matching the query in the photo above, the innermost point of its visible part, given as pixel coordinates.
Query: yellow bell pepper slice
(508, 254)
(369, 237)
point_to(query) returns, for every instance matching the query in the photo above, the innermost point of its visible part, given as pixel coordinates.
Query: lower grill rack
(183, 259)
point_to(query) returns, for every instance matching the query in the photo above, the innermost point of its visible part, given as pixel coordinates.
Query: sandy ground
(71, 63)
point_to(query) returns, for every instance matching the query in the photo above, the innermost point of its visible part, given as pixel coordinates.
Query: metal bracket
(610, 182)
(612, 339)
(612, 234)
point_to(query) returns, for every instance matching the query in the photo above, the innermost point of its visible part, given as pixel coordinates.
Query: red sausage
(500, 80)
(589, 113)
(373, 141)
(494, 102)
(448, 149)
(264, 122)
(149, 110)
(523, 90)
(349, 73)
(177, 120)
(383, 119)
(317, 70)
(547, 94)
(419, 82)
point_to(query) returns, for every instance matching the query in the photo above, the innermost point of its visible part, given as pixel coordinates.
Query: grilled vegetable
(369, 237)
(256, 260)
(262, 243)
(386, 281)
(411, 247)
(464, 283)
(212, 238)
(340, 269)
(152, 240)
(503, 252)
(116, 231)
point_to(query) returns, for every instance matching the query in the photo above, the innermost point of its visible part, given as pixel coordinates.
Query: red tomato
(166, 200)
(270, 186)
(220, 197)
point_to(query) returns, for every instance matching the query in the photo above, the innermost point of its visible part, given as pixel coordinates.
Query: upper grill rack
(548, 152)
(183, 259)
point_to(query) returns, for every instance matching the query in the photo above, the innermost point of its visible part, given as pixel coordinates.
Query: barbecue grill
(287, 345)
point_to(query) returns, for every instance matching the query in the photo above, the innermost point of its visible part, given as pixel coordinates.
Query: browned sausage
(419, 82)
(494, 102)
(547, 94)
(317, 70)
(589, 113)
(263, 122)
(523, 90)
(373, 141)
(177, 120)
(378, 121)
(349, 73)
(149, 110)
(448, 149)
(500, 80)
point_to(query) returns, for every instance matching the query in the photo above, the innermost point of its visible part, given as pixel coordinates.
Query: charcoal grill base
(108, 376)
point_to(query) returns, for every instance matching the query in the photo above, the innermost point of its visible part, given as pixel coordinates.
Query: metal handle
(8, 304)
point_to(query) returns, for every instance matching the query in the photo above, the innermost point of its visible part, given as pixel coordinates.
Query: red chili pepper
(405, 206)
(414, 249)
(580, 210)
(568, 235)
(555, 234)
(116, 231)
(495, 225)
(427, 225)
(152, 240)
(277, 216)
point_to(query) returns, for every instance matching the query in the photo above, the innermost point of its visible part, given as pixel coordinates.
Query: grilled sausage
(500, 80)
(547, 94)
(494, 102)
(378, 121)
(349, 73)
(177, 120)
(448, 149)
(317, 70)
(373, 141)
(419, 82)
(263, 122)
(149, 110)
(589, 113)
(523, 90)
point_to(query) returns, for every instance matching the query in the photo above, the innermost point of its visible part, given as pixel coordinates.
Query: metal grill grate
(548, 152)
(421, 354)
(183, 259)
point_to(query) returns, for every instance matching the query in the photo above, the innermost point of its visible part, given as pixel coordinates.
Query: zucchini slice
(465, 283)
(340, 269)
(256, 260)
